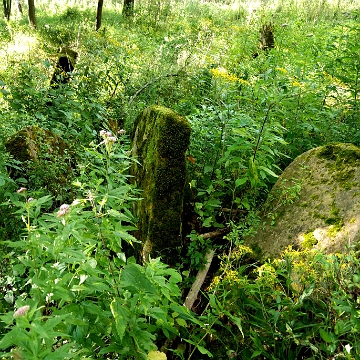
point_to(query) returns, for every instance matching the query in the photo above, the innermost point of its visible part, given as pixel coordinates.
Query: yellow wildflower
(282, 70)
(221, 72)
(297, 84)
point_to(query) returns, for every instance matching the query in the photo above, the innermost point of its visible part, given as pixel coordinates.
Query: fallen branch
(201, 275)
(212, 234)
(199, 280)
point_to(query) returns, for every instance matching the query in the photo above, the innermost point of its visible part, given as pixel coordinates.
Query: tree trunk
(32, 18)
(99, 14)
(19, 7)
(128, 9)
(7, 9)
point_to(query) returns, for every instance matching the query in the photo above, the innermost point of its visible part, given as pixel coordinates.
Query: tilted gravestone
(314, 204)
(64, 67)
(159, 141)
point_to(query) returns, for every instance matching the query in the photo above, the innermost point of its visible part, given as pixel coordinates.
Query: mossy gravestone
(159, 142)
(45, 159)
(64, 67)
(314, 204)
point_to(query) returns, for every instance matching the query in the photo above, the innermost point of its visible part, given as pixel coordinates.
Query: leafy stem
(266, 117)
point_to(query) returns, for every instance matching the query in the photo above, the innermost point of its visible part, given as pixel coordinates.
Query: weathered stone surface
(159, 141)
(45, 158)
(326, 212)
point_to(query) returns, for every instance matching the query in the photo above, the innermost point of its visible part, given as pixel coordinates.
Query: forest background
(68, 288)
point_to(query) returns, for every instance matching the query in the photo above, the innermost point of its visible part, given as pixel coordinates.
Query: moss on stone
(45, 158)
(329, 197)
(342, 161)
(28, 144)
(160, 139)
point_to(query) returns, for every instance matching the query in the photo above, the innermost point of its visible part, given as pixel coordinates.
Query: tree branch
(199, 280)
(148, 84)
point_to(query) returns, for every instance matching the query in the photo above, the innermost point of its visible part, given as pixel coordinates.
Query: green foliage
(250, 115)
(75, 292)
(241, 163)
(300, 306)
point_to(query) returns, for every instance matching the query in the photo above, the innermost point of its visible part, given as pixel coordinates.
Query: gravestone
(314, 204)
(159, 141)
(45, 159)
(64, 67)
(266, 39)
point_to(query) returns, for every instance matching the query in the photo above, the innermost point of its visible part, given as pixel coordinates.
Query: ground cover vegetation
(68, 289)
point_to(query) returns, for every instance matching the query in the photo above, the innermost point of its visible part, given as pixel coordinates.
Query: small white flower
(111, 139)
(21, 311)
(348, 348)
(64, 208)
(121, 132)
(21, 190)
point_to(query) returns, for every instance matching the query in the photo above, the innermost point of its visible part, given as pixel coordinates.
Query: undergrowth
(68, 288)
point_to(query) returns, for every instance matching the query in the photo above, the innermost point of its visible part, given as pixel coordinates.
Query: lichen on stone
(328, 202)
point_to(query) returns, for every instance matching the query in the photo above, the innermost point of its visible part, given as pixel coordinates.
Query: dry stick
(199, 280)
(78, 37)
(193, 293)
(201, 275)
(158, 78)
(180, 71)
(212, 234)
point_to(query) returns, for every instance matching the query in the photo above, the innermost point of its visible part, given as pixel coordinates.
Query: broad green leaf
(237, 322)
(13, 337)
(207, 222)
(256, 353)
(181, 322)
(204, 351)
(133, 275)
(267, 170)
(239, 182)
(245, 203)
(342, 327)
(156, 355)
(121, 316)
(325, 336)
(61, 352)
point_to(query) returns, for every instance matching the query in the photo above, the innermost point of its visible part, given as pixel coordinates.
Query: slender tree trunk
(19, 7)
(32, 18)
(128, 9)
(99, 14)
(7, 9)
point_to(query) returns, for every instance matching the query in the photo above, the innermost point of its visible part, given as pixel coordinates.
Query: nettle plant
(74, 294)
